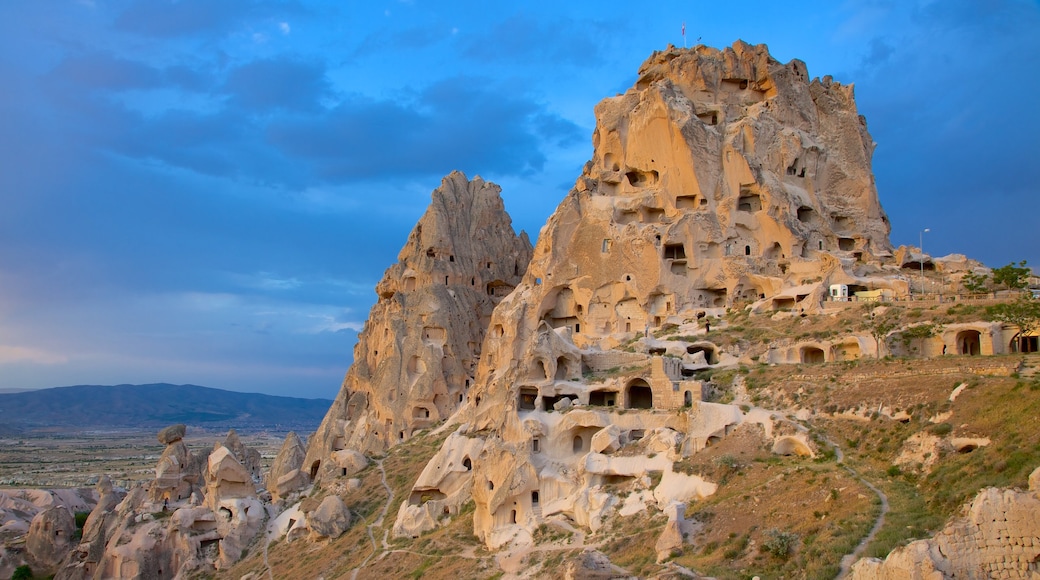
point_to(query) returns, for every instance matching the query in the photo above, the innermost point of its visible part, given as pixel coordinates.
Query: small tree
(1014, 277)
(879, 326)
(1023, 313)
(22, 572)
(976, 283)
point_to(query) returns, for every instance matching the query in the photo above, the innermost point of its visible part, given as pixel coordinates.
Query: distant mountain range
(92, 407)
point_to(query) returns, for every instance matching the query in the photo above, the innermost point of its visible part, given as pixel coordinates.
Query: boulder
(606, 440)
(330, 519)
(589, 565)
(172, 434)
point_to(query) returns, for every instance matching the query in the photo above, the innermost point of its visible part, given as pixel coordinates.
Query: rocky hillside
(153, 406)
(709, 365)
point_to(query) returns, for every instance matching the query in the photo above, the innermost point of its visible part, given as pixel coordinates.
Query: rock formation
(247, 456)
(999, 537)
(722, 179)
(231, 496)
(96, 529)
(330, 519)
(160, 529)
(21, 515)
(49, 539)
(177, 473)
(417, 355)
(285, 475)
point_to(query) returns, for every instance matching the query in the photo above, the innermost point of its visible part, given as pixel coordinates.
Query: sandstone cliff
(723, 178)
(417, 355)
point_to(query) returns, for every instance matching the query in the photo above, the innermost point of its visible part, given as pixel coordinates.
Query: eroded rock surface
(285, 475)
(417, 355)
(723, 179)
(999, 537)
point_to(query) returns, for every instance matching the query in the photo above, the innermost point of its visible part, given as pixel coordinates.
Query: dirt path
(849, 559)
(377, 523)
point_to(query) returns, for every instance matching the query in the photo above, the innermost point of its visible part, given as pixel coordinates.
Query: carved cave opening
(639, 395)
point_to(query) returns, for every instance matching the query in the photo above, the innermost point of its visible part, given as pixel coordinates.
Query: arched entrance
(639, 395)
(812, 355)
(969, 342)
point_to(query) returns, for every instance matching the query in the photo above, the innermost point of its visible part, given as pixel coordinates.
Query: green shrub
(779, 544)
(941, 429)
(22, 573)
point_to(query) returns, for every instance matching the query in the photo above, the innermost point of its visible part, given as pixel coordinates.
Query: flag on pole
(684, 28)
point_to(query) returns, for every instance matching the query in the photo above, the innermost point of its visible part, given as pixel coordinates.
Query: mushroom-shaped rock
(171, 434)
(330, 519)
(49, 539)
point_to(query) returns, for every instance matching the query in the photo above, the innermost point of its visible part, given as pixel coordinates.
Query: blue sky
(207, 191)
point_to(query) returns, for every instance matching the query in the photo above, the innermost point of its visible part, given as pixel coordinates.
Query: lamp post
(921, 243)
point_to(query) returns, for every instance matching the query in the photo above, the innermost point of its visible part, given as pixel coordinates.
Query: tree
(976, 283)
(1023, 313)
(1014, 277)
(22, 572)
(879, 327)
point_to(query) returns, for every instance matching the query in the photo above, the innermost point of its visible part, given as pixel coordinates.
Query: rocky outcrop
(723, 179)
(49, 539)
(417, 355)
(999, 537)
(172, 526)
(177, 472)
(247, 456)
(285, 475)
(96, 530)
(330, 519)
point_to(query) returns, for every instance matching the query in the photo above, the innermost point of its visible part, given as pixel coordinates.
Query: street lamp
(921, 243)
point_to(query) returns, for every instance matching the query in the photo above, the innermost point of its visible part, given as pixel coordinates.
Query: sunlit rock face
(722, 179)
(416, 357)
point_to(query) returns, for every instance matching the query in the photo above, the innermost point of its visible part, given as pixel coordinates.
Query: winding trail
(377, 523)
(849, 559)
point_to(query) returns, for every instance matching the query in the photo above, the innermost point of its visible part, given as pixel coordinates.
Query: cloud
(168, 18)
(459, 123)
(284, 28)
(278, 83)
(102, 71)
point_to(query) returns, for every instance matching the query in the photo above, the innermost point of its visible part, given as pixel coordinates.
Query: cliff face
(416, 357)
(723, 178)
